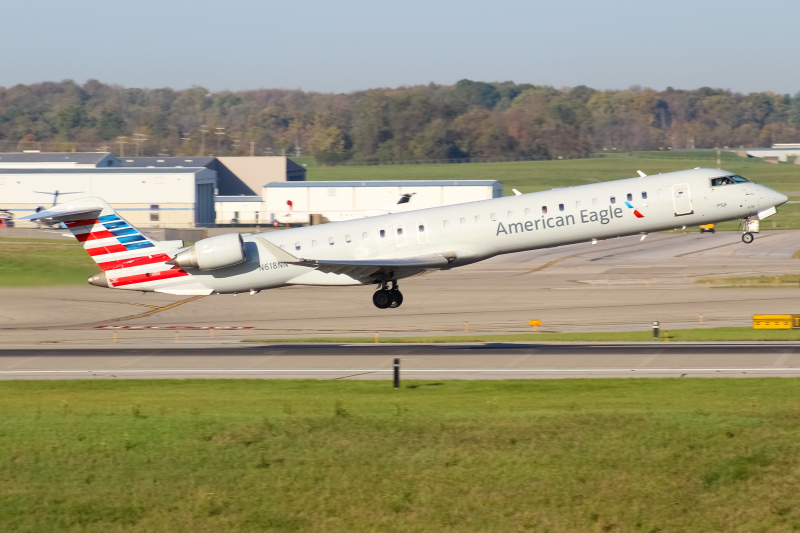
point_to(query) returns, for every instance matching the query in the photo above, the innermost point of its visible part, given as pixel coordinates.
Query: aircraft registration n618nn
(383, 249)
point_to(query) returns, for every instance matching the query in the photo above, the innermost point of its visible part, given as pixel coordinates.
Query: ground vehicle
(707, 228)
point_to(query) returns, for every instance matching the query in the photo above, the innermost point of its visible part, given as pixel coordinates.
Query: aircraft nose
(780, 199)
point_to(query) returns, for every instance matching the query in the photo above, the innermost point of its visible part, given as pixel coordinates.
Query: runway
(616, 285)
(419, 361)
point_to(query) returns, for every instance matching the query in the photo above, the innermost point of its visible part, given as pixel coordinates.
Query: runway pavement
(422, 361)
(616, 285)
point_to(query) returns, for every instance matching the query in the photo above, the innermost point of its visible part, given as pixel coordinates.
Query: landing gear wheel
(397, 298)
(382, 299)
(747, 238)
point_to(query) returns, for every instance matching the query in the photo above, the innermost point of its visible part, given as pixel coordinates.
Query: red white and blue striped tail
(128, 258)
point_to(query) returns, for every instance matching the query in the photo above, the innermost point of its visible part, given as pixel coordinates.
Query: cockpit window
(727, 180)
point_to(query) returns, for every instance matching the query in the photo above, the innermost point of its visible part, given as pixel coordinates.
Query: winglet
(641, 174)
(516, 192)
(277, 252)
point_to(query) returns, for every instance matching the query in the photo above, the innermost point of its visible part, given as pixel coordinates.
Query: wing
(362, 268)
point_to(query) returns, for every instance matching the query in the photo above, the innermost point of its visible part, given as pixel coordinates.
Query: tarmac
(615, 285)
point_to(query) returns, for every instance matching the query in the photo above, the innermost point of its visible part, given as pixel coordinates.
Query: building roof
(122, 171)
(177, 162)
(242, 198)
(393, 183)
(68, 158)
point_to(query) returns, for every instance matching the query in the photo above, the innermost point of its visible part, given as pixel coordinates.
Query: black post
(396, 373)
(655, 329)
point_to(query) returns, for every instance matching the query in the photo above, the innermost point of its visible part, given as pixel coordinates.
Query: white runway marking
(410, 371)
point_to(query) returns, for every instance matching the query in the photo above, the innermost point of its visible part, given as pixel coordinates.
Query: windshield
(727, 180)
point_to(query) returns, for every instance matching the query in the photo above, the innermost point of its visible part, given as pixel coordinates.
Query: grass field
(531, 176)
(43, 262)
(677, 335)
(755, 282)
(542, 455)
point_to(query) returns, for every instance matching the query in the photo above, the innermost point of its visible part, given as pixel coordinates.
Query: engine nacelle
(212, 253)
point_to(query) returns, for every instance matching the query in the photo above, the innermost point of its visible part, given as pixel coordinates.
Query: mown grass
(43, 262)
(756, 282)
(698, 334)
(543, 455)
(532, 176)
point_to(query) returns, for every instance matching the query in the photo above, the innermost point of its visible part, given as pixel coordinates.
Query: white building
(340, 200)
(149, 197)
(175, 192)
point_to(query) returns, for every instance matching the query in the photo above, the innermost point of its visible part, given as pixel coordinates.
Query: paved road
(423, 361)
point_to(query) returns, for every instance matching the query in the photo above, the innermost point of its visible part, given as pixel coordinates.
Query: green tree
(111, 125)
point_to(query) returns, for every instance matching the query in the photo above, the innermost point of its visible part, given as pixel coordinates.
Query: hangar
(339, 200)
(176, 192)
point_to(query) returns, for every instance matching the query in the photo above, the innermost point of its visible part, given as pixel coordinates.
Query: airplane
(55, 194)
(384, 249)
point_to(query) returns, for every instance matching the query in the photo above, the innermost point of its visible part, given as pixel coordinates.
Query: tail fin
(127, 257)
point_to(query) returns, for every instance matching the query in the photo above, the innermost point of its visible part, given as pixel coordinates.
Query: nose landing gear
(385, 297)
(750, 227)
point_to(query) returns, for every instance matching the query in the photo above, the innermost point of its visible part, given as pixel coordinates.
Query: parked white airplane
(383, 249)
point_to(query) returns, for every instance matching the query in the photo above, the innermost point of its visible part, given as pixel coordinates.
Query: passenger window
(477, 218)
(577, 203)
(527, 211)
(446, 223)
(630, 197)
(544, 209)
(422, 228)
(613, 200)
(399, 231)
(644, 195)
(510, 214)
(383, 233)
(595, 201)
(494, 217)
(560, 207)
(463, 221)
(314, 244)
(297, 246)
(347, 238)
(364, 235)
(330, 241)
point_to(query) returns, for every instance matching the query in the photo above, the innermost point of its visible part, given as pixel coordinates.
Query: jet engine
(212, 253)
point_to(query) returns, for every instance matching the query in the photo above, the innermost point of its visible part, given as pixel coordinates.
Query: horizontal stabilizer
(62, 216)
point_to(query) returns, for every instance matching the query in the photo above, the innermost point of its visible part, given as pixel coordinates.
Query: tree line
(470, 119)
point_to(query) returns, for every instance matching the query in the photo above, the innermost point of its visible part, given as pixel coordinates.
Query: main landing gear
(384, 297)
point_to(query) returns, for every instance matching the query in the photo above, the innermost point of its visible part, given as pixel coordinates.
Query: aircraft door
(400, 235)
(682, 199)
(422, 232)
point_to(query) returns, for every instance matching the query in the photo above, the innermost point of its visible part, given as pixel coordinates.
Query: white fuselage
(475, 231)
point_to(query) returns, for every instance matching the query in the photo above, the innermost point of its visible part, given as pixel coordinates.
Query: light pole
(203, 131)
(121, 142)
(219, 132)
(138, 138)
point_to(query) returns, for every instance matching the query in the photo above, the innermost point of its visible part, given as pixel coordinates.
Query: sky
(345, 46)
